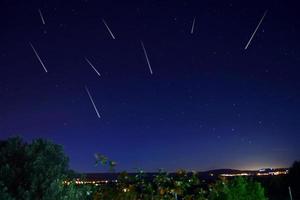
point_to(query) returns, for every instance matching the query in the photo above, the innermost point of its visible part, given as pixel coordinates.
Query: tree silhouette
(294, 179)
(34, 171)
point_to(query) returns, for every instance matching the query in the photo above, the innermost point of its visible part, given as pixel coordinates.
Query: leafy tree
(3, 193)
(46, 164)
(34, 171)
(163, 184)
(103, 160)
(12, 161)
(237, 189)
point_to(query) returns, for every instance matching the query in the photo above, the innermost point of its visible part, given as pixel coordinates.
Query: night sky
(208, 104)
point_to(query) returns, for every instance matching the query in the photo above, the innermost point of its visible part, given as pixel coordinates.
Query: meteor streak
(41, 15)
(193, 25)
(38, 57)
(89, 62)
(253, 34)
(91, 99)
(110, 32)
(146, 55)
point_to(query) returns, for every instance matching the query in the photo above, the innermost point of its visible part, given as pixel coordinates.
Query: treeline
(38, 171)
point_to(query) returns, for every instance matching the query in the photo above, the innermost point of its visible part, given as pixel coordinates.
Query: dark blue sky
(209, 103)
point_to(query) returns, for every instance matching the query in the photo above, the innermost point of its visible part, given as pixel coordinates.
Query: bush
(237, 189)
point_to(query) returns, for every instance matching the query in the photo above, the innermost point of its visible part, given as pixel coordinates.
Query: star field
(200, 101)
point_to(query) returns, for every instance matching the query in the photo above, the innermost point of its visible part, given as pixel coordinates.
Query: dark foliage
(34, 171)
(294, 179)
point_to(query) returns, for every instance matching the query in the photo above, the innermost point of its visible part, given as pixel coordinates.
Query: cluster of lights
(84, 182)
(125, 189)
(276, 173)
(260, 173)
(239, 174)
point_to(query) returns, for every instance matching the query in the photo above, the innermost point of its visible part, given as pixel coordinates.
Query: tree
(3, 193)
(34, 171)
(12, 161)
(46, 164)
(104, 161)
(237, 189)
(294, 179)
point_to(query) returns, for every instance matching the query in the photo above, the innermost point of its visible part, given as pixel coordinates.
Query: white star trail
(253, 34)
(146, 56)
(42, 17)
(89, 62)
(92, 101)
(193, 25)
(38, 57)
(110, 32)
